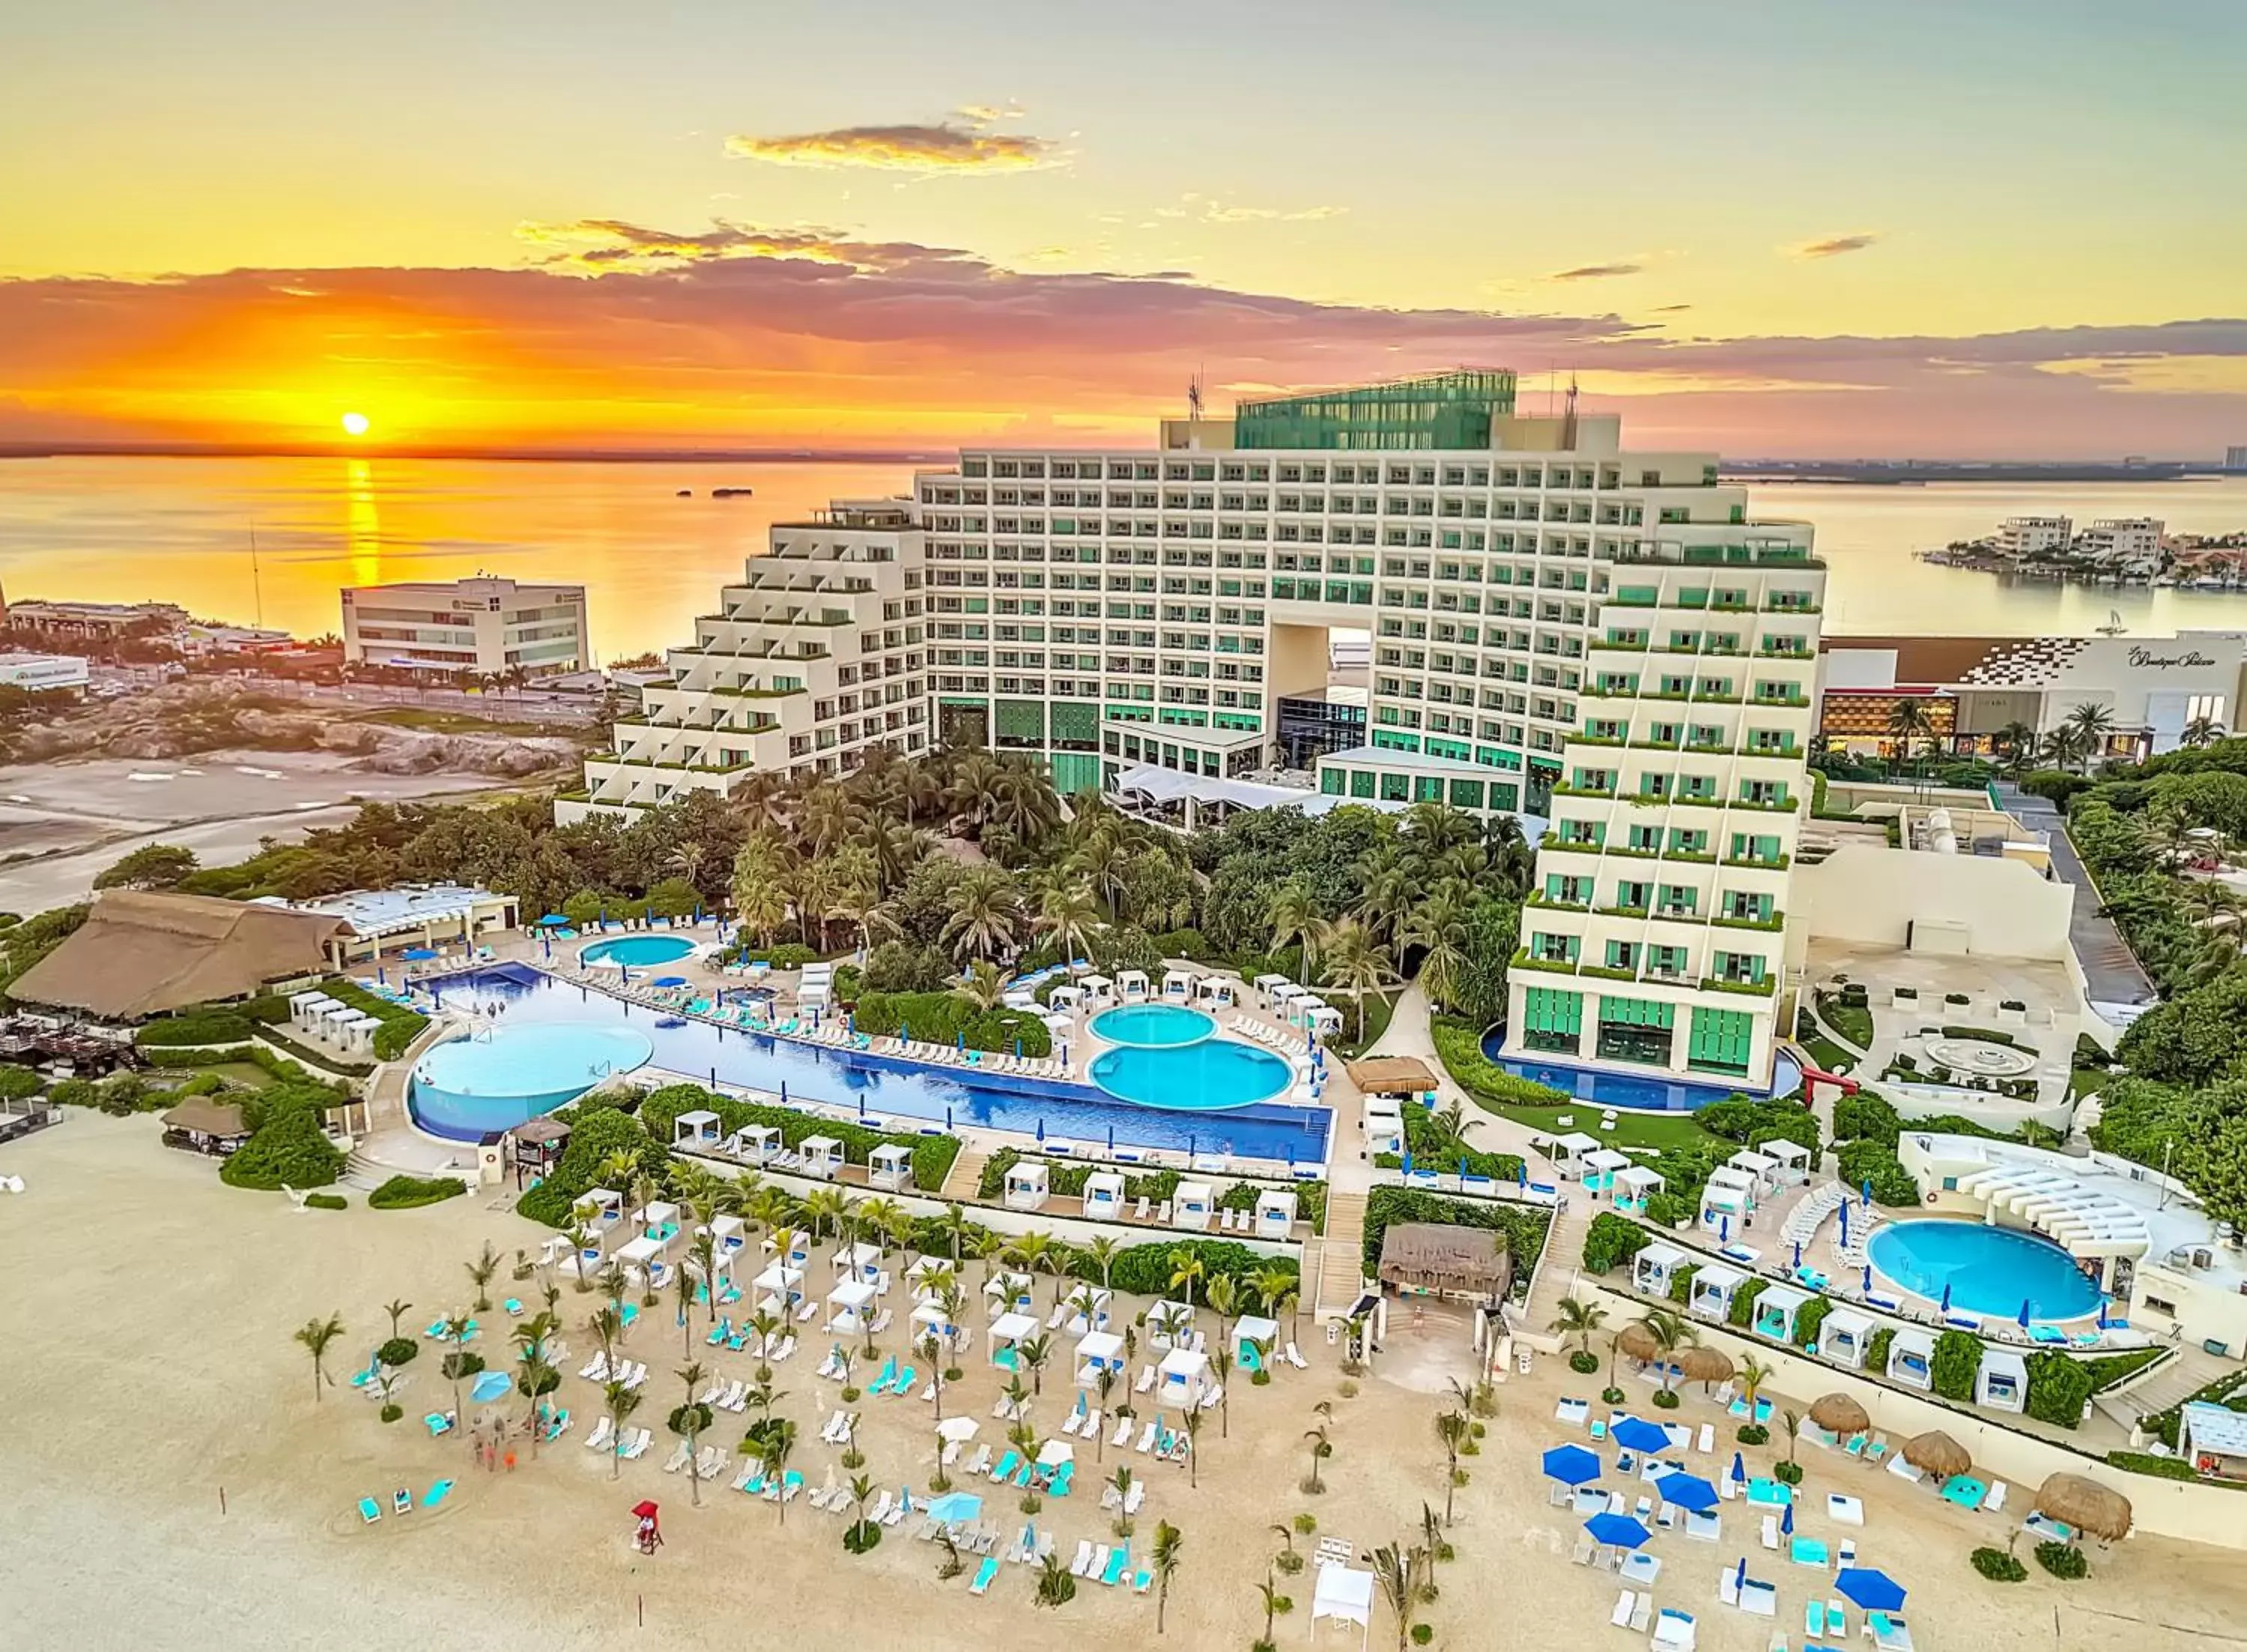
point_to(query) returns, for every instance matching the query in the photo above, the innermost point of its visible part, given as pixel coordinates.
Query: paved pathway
(2110, 970)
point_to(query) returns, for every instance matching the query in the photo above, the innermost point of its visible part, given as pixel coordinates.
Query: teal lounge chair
(1119, 1563)
(1023, 1475)
(514, 1305)
(554, 1424)
(1814, 1617)
(755, 1485)
(720, 1331)
(435, 1331)
(438, 1424)
(882, 1383)
(903, 1383)
(984, 1574)
(401, 1501)
(1007, 1465)
(369, 1509)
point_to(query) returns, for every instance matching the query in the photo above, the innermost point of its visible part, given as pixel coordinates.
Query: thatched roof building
(1841, 1414)
(1432, 1256)
(1391, 1076)
(1938, 1453)
(2084, 1504)
(142, 952)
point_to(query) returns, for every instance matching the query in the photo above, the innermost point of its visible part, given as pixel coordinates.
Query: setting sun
(355, 424)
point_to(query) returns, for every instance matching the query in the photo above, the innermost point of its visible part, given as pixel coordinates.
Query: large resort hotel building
(1560, 628)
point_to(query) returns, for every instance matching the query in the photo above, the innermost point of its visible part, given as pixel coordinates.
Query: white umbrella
(958, 1429)
(1054, 1453)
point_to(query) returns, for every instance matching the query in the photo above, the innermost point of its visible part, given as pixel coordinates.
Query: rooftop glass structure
(1449, 412)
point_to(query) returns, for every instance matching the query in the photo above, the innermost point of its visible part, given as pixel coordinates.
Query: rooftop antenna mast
(1568, 419)
(1194, 396)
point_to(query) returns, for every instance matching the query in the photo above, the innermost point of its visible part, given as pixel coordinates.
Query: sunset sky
(1977, 228)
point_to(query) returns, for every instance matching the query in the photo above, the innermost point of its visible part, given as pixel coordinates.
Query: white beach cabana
(1652, 1268)
(730, 1233)
(695, 1129)
(1565, 1150)
(759, 1143)
(1026, 1181)
(1169, 1322)
(1181, 1378)
(822, 1156)
(924, 1268)
(799, 1247)
(1089, 1307)
(859, 1261)
(1911, 1357)
(1844, 1337)
(1633, 1185)
(644, 1255)
(929, 1318)
(1178, 984)
(1009, 1292)
(1098, 988)
(1384, 1125)
(1275, 1212)
(1726, 1201)
(1064, 999)
(1775, 1309)
(1317, 1017)
(599, 1207)
(1252, 1334)
(1192, 1207)
(1217, 989)
(1790, 1160)
(1714, 1284)
(780, 1287)
(1762, 1166)
(658, 1216)
(2003, 1383)
(1008, 1332)
(1131, 984)
(847, 1306)
(889, 1166)
(1343, 1594)
(1598, 1167)
(1103, 1196)
(1098, 1351)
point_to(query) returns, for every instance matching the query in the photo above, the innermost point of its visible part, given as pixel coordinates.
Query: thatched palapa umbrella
(1938, 1453)
(1635, 1342)
(2084, 1504)
(1706, 1365)
(1840, 1414)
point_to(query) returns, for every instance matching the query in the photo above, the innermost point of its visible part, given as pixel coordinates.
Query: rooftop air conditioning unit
(2203, 1257)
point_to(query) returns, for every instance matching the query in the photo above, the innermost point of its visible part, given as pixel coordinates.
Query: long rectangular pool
(888, 1085)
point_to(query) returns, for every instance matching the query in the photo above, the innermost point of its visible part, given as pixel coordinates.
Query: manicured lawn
(1851, 1022)
(1826, 1054)
(246, 1074)
(1632, 1130)
(1378, 1008)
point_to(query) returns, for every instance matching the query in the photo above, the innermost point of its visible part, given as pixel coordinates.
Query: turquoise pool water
(1153, 1025)
(465, 1089)
(1990, 1271)
(638, 950)
(1213, 1074)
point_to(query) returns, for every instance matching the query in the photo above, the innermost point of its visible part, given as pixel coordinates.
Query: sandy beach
(150, 1370)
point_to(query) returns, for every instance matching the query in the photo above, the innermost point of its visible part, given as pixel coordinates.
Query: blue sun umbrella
(1572, 1465)
(1688, 1491)
(947, 1116)
(1870, 1588)
(1868, 1284)
(1724, 1230)
(2022, 1316)
(1617, 1529)
(554, 920)
(1739, 1470)
(381, 976)
(1945, 1306)
(418, 954)
(960, 1039)
(1845, 1224)
(1787, 1521)
(1111, 1138)
(1635, 1434)
(862, 1103)
(1798, 1253)
(1740, 1577)
(783, 1092)
(1865, 1193)
(954, 1507)
(1041, 1127)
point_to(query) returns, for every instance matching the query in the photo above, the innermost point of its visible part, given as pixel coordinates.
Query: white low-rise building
(61, 674)
(493, 627)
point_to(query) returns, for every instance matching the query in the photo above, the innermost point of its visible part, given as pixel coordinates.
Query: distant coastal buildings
(2114, 550)
(490, 626)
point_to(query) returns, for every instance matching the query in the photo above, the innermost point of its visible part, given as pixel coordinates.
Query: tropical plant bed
(1998, 1567)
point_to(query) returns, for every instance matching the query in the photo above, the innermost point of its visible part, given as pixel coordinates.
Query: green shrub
(1681, 1282)
(2058, 1389)
(313, 1058)
(1790, 1473)
(2166, 1468)
(18, 1083)
(1876, 1351)
(1956, 1363)
(407, 1192)
(1861, 1162)
(326, 1202)
(1611, 1239)
(289, 1148)
(1432, 1146)
(1665, 1400)
(397, 1351)
(860, 1536)
(1745, 1120)
(597, 1129)
(1808, 1320)
(205, 1025)
(1753, 1434)
(2062, 1559)
(1742, 1312)
(1998, 1567)
(1583, 1361)
(2108, 1370)
(1458, 1046)
(945, 1018)
(1144, 1270)
(1867, 1117)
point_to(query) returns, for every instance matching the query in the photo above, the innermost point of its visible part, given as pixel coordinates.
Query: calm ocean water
(115, 529)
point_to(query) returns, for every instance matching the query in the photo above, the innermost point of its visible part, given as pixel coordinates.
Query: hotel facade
(1558, 628)
(482, 624)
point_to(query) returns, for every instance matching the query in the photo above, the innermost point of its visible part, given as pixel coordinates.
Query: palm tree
(1192, 1424)
(622, 1402)
(775, 1446)
(1223, 1294)
(397, 1311)
(1186, 1268)
(1034, 1352)
(1398, 1572)
(1753, 1374)
(982, 984)
(1908, 721)
(2202, 731)
(1103, 1384)
(1670, 1331)
(1440, 926)
(1169, 1546)
(2091, 723)
(1321, 1448)
(1791, 1422)
(1295, 917)
(1268, 1593)
(688, 1422)
(458, 1364)
(1066, 915)
(1355, 964)
(1275, 1286)
(607, 1326)
(1579, 1319)
(955, 1227)
(983, 909)
(316, 1336)
(1102, 1252)
(1121, 1480)
(2017, 741)
(1453, 1429)
(482, 1271)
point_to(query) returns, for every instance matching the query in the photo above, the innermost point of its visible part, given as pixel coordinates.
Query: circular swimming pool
(1207, 1076)
(470, 1087)
(1990, 1271)
(1153, 1025)
(638, 950)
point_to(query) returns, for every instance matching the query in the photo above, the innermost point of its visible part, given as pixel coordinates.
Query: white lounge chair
(602, 1432)
(1123, 1435)
(1620, 1616)
(1082, 1563)
(1147, 1439)
(1294, 1357)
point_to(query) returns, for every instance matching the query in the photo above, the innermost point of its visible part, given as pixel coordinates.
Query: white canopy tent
(1026, 1181)
(1132, 983)
(1169, 1321)
(1008, 1332)
(822, 1156)
(1179, 983)
(1103, 1196)
(1098, 1351)
(860, 1260)
(1345, 1594)
(847, 1305)
(1181, 1378)
(889, 1166)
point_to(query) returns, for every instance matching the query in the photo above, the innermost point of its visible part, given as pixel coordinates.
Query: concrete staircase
(967, 1174)
(2186, 1372)
(1341, 1275)
(1562, 1260)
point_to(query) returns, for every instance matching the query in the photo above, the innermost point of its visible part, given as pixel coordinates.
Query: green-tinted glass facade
(1722, 1040)
(1449, 411)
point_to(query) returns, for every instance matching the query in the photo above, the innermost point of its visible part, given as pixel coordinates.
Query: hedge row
(946, 1018)
(408, 1192)
(932, 1155)
(1612, 1239)
(287, 1146)
(1459, 1045)
(204, 1025)
(1524, 1226)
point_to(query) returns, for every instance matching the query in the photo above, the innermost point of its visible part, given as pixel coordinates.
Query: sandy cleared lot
(220, 804)
(149, 1367)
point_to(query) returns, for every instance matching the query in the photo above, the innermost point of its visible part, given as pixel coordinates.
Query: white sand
(148, 1365)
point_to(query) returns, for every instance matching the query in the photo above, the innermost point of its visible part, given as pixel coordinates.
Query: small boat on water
(732, 493)
(684, 493)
